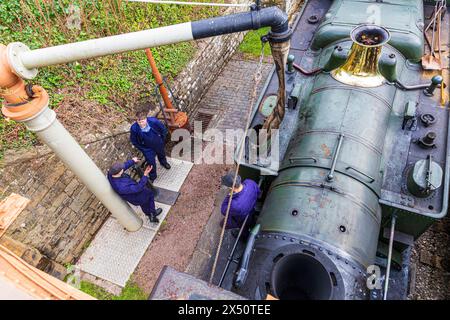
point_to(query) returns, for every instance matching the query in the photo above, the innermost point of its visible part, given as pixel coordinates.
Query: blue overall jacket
(150, 143)
(136, 193)
(242, 204)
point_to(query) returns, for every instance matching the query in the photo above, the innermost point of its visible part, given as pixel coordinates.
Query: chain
(256, 81)
(8, 92)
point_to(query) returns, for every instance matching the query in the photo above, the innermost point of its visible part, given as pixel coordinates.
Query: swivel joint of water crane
(22, 101)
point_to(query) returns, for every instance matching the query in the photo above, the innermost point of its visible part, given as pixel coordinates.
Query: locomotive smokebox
(361, 67)
(301, 277)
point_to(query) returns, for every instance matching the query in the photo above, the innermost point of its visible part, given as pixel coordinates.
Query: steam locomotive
(363, 138)
(364, 149)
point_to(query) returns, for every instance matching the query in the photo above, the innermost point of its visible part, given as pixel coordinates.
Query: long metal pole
(25, 62)
(108, 45)
(160, 84)
(330, 175)
(230, 257)
(388, 268)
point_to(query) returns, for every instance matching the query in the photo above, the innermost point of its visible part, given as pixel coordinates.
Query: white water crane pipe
(52, 133)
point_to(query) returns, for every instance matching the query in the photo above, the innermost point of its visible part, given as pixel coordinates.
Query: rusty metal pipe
(160, 84)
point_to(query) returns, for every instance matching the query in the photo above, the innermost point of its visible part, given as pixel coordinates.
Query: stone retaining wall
(63, 215)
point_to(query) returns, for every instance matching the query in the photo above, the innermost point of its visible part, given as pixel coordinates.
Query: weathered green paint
(268, 105)
(388, 67)
(346, 213)
(290, 63)
(417, 177)
(403, 18)
(337, 59)
(383, 249)
(410, 109)
(407, 222)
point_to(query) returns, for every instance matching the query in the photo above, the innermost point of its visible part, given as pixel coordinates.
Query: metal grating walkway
(114, 253)
(172, 179)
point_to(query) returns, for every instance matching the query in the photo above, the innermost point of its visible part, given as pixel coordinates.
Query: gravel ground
(176, 241)
(431, 260)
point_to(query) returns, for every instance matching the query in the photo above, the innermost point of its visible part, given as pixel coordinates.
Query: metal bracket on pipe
(399, 237)
(14, 52)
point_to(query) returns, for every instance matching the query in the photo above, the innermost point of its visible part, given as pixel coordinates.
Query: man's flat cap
(227, 180)
(116, 168)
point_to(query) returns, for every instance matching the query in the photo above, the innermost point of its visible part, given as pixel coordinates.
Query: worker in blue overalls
(245, 196)
(136, 193)
(148, 135)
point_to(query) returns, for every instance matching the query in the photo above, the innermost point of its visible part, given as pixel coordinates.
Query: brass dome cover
(361, 67)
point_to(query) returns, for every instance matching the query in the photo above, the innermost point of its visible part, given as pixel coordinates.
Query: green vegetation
(163, 226)
(252, 43)
(115, 82)
(130, 292)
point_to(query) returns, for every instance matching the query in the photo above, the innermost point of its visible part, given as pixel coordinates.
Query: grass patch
(131, 292)
(252, 43)
(163, 226)
(95, 291)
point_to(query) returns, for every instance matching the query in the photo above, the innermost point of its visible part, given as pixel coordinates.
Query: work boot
(158, 212)
(166, 165)
(153, 219)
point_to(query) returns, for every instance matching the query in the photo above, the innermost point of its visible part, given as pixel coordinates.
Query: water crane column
(29, 104)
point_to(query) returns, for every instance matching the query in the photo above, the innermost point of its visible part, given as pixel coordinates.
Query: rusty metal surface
(175, 285)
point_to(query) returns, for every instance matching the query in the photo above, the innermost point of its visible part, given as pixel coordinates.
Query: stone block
(72, 186)
(29, 254)
(37, 196)
(80, 200)
(54, 175)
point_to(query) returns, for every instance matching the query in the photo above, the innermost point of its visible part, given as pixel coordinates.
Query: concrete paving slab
(114, 253)
(161, 217)
(173, 179)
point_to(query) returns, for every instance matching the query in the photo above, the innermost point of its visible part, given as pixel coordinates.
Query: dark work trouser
(150, 157)
(149, 208)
